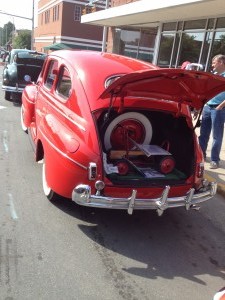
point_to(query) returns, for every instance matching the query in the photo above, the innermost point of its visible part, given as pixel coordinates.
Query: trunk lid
(193, 88)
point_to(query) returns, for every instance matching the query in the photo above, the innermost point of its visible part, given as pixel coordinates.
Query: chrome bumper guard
(82, 196)
(12, 89)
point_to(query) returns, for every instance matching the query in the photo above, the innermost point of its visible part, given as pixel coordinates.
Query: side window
(52, 68)
(64, 84)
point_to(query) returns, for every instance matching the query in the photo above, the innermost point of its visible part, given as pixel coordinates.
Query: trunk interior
(165, 157)
(23, 70)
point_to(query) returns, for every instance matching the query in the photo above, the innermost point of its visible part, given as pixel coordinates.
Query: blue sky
(22, 8)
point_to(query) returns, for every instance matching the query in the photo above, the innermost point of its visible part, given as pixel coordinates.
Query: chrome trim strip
(82, 196)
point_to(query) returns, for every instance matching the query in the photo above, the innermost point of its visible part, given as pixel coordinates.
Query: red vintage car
(115, 132)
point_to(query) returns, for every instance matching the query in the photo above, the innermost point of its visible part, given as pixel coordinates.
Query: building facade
(59, 22)
(166, 33)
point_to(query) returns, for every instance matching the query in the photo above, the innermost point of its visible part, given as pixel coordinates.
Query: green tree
(22, 40)
(7, 32)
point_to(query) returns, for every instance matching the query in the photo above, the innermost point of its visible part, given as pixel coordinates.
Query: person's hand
(220, 106)
(195, 114)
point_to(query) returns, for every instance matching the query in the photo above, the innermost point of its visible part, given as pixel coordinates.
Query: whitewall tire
(139, 120)
(24, 128)
(49, 193)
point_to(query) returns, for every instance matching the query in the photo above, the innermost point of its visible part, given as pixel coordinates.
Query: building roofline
(145, 13)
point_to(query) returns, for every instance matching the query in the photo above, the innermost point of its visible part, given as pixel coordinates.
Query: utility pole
(32, 32)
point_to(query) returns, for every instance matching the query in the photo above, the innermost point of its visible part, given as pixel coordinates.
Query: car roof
(93, 68)
(140, 78)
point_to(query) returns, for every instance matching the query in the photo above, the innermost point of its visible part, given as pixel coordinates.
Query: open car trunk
(32, 70)
(150, 143)
(147, 148)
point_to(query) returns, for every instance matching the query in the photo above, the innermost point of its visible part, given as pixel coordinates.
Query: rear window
(64, 84)
(30, 58)
(51, 75)
(111, 79)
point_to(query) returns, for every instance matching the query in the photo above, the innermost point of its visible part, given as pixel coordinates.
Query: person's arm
(221, 105)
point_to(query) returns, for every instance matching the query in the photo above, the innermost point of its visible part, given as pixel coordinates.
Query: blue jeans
(212, 119)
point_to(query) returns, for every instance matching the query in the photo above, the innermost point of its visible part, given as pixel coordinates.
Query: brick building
(59, 22)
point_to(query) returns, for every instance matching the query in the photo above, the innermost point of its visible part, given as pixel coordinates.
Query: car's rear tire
(49, 193)
(17, 98)
(7, 95)
(23, 126)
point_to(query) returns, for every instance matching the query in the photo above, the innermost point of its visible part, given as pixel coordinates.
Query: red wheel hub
(123, 131)
(123, 167)
(166, 165)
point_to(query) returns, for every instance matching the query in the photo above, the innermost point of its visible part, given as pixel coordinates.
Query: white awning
(148, 13)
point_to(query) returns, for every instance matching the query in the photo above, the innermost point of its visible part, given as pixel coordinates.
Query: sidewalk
(217, 175)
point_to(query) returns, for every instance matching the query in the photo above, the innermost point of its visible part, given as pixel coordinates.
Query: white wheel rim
(130, 115)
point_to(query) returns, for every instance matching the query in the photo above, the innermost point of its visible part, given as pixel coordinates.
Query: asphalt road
(59, 251)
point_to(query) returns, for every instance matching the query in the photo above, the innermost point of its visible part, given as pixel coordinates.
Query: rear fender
(28, 102)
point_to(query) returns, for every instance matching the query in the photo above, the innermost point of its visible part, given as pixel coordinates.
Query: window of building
(135, 43)
(56, 13)
(77, 13)
(196, 41)
(52, 70)
(218, 46)
(47, 16)
(211, 23)
(175, 48)
(191, 45)
(165, 51)
(195, 24)
(129, 42)
(204, 58)
(169, 26)
(220, 23)
(64, 84)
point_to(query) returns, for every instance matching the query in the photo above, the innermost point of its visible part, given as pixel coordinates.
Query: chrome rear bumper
(82, 196)
(12, 89)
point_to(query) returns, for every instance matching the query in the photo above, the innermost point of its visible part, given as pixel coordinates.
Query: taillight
(200, 170)
(92, 171)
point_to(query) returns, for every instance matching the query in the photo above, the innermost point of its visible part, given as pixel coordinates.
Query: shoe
(214, 165)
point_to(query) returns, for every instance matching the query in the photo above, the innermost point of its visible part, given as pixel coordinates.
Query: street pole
(32, 31)
(105, 31)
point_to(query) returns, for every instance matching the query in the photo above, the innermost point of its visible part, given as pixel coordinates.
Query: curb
(220, 186)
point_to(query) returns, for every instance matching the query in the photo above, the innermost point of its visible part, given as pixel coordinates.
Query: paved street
(59, 251)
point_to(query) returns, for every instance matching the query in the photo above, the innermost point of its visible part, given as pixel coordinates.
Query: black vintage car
(20, 62)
